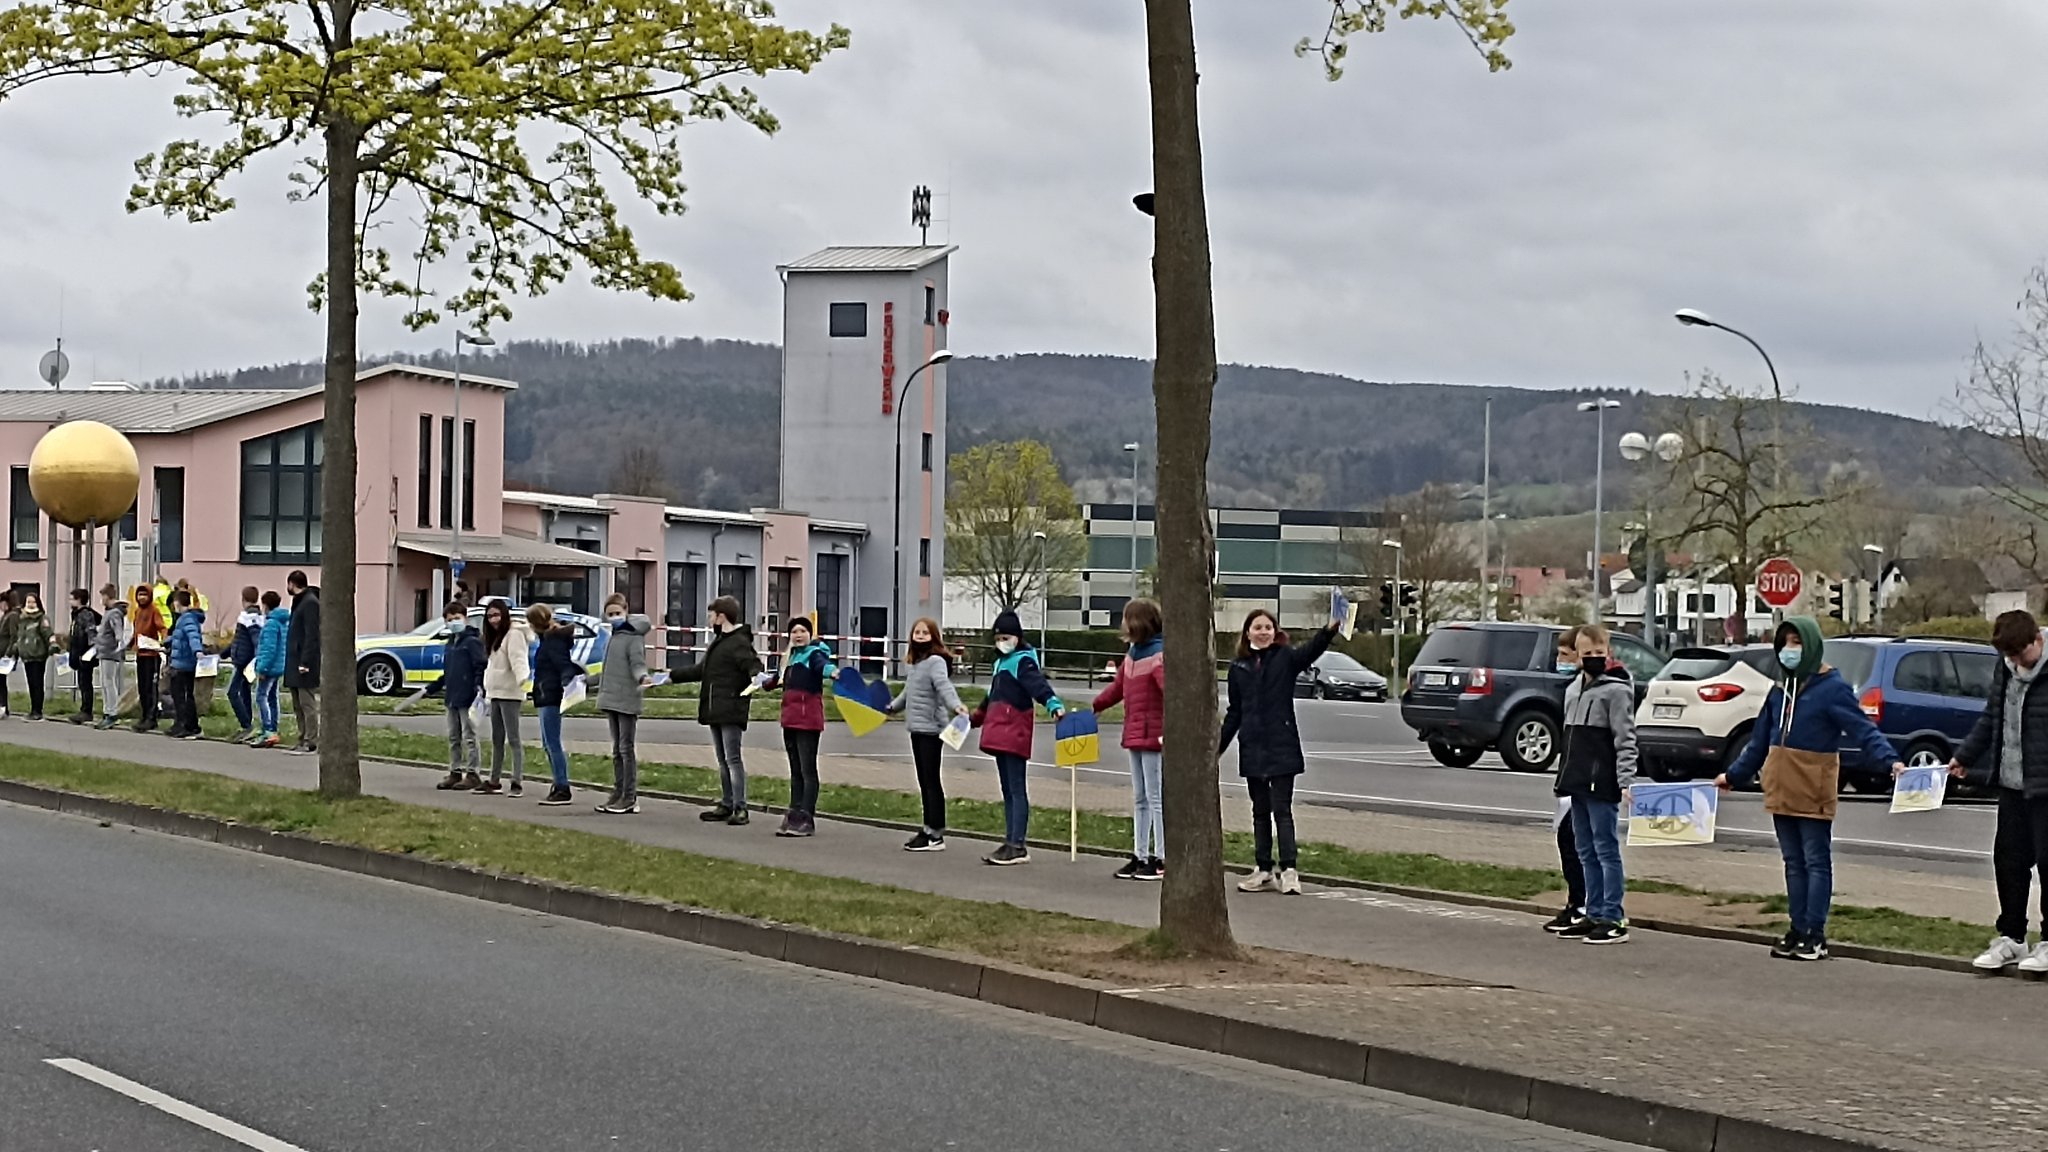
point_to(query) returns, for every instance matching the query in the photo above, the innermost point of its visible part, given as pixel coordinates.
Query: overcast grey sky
(1858, 183)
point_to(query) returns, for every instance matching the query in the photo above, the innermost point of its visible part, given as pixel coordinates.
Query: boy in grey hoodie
(1598, 767)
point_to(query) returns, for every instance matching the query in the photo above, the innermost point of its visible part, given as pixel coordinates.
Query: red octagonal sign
(1778, 582)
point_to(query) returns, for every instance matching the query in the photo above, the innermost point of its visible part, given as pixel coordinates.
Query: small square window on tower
(850, 320)
(931, 305)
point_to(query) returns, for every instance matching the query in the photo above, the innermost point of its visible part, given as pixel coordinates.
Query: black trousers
(146, 691)
(87, 676)
(1568, 857)
(803, 769)
(2018, 850)
(184, 705)
(928, 751)
(36, 670)
(1272, 813)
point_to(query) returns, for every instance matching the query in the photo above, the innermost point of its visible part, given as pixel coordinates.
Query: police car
(398, 663)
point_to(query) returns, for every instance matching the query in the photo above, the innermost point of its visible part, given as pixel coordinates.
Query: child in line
(1796, 748)
(188, 644)
(1007, 728)
(1262, 678)
(507, 668)
(928, 702)
(78, 646)
(729, 664)
(1598, 766)
(148, 632)
(619, 697)
(242, 653)
(1140, 686)
(271, 650)
(805, 670)
(1574, 912)
(33, 639)
(462, 678)
(110, 654)
(554, 669)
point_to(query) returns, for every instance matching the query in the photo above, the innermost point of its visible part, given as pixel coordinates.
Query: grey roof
(505, 550)
(1962, 575)
(909, 258)
(138, 413)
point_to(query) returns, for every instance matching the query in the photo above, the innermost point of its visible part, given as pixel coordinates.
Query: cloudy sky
(1858, 183)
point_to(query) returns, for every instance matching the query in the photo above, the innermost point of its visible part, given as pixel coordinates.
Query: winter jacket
(272, 642)
(9, 623)
(625, 666)
(149, 625)
(1261, 709)
(1140, 686)
(110, 643)
(188, 640)
(33, 637)
(1986, 745)
(85, 627)
(1599, 736)
(553, 667)
(302, 643)
(1798, 740)
(507, 670)
(1005, 718)
(928, 701)
(728, 666)
(802, 681)
(248, 626)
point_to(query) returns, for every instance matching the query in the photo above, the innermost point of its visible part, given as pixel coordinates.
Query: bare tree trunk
(1192, 912)
(340, 771)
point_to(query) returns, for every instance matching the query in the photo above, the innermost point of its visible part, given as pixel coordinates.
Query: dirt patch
(1682, 908)
(1094, 958)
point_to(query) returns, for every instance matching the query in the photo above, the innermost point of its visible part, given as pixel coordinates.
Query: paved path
(1685, 1019)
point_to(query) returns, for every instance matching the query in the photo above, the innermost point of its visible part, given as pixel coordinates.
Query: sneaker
(241, 737)
(715, 814)
(790, 824)
(451, 782)
(1812, 948)
(35, 716)
(1784, 946)
(2036, 963)
(486, 788)
(1154, 869)
(1259, 881)
(268, 740)
(2003, 953)
(515, 790)
(1608, 934)
(193, 736)
(615, 808)
(471, 781)
(555, 798)
(1006, 855)
(303, 751)
(1290, 882)
(1579, 930)
(1568, 918)
(1131, 868)
(925, 842)
(737, 818)
(805, 826)
(106, 724)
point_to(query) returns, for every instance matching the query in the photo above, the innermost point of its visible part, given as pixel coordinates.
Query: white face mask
(615, 621)
(1006, 646)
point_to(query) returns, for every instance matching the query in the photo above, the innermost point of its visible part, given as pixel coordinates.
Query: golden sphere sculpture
(84, 472)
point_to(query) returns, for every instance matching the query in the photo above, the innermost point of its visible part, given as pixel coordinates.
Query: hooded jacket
(462, 666)
(1005, 717)
(1261, 712)
(728, 666)
(188, 640)
(1140, 686)
(110, 643)
(1599, 736)
(1796, 745)
(148, 624)
(553, 666)
(625, 666)
(33, 637)
(248, 626)
(507, 670)
(804, 675)
(1985, 749)
(85, 627)
(270, 644)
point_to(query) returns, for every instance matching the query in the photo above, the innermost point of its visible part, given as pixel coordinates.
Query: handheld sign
(1920, 789)
(757, 683)
(249, 672)
(854, 698)
(207, 667)
(576, 693)
(1344, 612)
(954, 735)
(1668, 814)
(1078, 742)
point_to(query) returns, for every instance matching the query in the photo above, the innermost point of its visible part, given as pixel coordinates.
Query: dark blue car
(1924, 694)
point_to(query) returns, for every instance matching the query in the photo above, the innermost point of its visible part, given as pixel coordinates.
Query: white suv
(1700, 708)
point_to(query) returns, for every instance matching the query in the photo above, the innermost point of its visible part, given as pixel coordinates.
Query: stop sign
(1777, 582)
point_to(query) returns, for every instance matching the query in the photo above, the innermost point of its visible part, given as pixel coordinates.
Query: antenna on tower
(921, 213)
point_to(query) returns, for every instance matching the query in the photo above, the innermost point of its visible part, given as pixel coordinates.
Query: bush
(1960, 627)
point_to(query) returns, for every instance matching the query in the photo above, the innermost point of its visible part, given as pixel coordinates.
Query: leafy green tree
(1001, 498)
(499, 127)
(1192, 912)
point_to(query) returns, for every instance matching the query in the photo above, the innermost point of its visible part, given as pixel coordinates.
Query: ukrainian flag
(864, 706)
(1078, 740)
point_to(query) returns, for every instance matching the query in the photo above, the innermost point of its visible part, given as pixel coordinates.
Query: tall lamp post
(1400, 610)
(1599, 409)
(455, 464)
(942, 356)
(1132, 448)
(1876, 587)
(1637, 448)
(1493, 594)
(1694, 318)
(1044, 593)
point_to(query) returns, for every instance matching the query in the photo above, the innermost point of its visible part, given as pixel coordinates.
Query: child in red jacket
(1140, 686)
(1007, 726)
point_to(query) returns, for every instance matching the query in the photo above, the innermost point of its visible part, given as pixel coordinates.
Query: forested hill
(709, 409)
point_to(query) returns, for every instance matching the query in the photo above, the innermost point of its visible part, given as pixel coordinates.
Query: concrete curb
(1552, 1103)
(1863, 952)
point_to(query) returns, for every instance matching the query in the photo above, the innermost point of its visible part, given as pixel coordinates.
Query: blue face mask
(1568, 667)
(1790, 657)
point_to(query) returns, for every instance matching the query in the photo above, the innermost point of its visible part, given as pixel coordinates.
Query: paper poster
(249, 672)
(576, 693)
(657, 679)
(1077, 739)
(1344, 612)
(6, 665)
(757, 683)
(206, 667)
(401, 708)
(481, 710)
(1665, 814)
(88, 656)
(1920, 789)
(855, 698)
(955, 734)
(1564, 813)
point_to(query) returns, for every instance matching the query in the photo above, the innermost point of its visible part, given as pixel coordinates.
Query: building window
(736, 581)
(170, 515)
(831, 575)
(685, 612)
(24, 526)
(850, 320)
(931, 305)
(281, 497)
(447, 471)
(924, 557)
(927, 451)
(426, 496)
(469, 475)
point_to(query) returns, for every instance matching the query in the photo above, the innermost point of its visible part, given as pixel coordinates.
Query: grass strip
(993, 930)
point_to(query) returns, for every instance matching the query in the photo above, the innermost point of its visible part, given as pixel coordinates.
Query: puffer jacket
(33, 637)
(625, 665)
(928, 701)
(1140, 686)
(1599, 736)
(248, 626)
(507, 670)
(802, 680)
(188, 640)
(271, 648)
(553, 668)
(1261, 709)
(1005, 718)
(728, 666)
(1982, 751)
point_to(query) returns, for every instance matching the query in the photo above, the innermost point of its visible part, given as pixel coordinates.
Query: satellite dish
(54, 367)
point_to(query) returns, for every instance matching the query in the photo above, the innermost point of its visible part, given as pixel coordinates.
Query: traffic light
(1837, 606)
(1386, 600)
(1407, 596)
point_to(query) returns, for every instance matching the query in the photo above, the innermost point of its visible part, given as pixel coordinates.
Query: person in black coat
(729, 665)
(554, 668)
(1261, 719)
(462, 681)
(302, 661)
(85, 624)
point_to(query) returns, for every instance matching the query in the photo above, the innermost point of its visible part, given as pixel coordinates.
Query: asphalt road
(1362, 755)
(324, 1012)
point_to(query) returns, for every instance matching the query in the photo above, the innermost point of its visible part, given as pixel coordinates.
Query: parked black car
(1496, 685)
(1335, 676)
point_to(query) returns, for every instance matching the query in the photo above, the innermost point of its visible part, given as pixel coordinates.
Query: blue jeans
(1148, 831)
(1808, 847)
(1596, 828)
(238, 697)
(551, 743)
(1016, 805)
(266, 703)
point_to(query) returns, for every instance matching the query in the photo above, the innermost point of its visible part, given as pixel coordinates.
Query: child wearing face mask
(619, 690)
(1796, 749)
(1007, 727)
(1574, 913)
(1598, 766)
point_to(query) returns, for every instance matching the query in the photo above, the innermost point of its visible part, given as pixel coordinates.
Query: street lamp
(1493, 594)
(1636, 448)
(455, 465)
(942, 356)
(1044, 593)
(1599, 409)
(1877, 588)
(1694, 318)
(1132, 448)
(1400, 610)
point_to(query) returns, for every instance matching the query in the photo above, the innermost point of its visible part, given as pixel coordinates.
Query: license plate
(1434, 679)
(1666, 711)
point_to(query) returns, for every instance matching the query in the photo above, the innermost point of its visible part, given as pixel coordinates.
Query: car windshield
(1339, 662)
(1478, 648)
(430, 628)
(1853, 659)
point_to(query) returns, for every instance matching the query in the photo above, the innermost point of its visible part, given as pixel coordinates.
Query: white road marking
(199, 1117)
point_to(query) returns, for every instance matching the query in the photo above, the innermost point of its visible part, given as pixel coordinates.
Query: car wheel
(1926, 754)
(1667, 771)
(1452, 756)
(1529, 743)
(379, 676)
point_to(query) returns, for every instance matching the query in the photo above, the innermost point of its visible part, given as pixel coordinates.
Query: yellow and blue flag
(863, 705)
(1077, 740)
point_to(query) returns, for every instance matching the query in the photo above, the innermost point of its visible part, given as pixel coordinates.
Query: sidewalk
(1898, 1056)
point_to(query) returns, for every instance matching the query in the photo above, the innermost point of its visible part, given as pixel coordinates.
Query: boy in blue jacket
(270, 653)
(1796, 747)
(188, 643)
(462, 677)
(248, 626)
